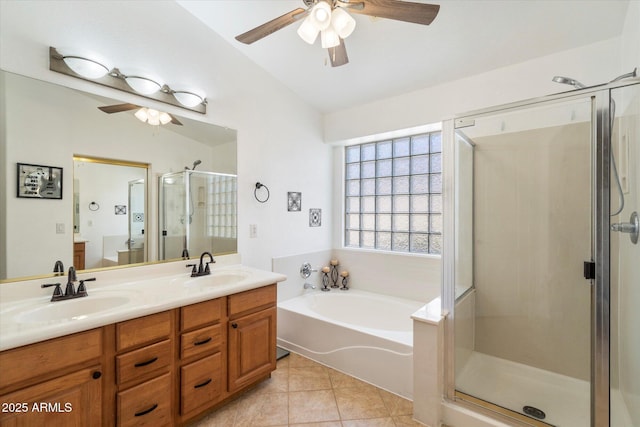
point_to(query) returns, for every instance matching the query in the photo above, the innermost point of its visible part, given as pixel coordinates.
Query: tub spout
(309, 285)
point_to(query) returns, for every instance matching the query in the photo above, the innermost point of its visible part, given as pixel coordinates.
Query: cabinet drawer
(200, 314)
(143, 330)
(253, 300)
(144, 361)
(40, 359)
(200, 383)
(148, 404)
(200, 341)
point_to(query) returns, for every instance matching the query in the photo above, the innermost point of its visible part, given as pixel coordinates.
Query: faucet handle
(57, 292)
(207, 270)
(82, 290)
(194, 272)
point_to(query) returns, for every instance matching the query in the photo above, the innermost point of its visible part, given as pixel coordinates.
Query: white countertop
(117, 295)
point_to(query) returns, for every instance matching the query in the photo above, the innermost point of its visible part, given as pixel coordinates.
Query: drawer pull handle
(139, 414)
(148, 362)
(204, 341)
(203, 384)
(234, 325)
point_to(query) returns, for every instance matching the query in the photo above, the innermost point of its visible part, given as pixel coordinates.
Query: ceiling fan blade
(418, 13)
(271, 26)
(174, 120)
(338, 54)
(118, 108)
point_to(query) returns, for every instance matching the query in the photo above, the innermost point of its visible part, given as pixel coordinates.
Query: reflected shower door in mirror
(112, 206)
(69, 123)
(198, 213)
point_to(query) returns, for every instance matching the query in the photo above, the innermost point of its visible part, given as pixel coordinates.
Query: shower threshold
(508, 387)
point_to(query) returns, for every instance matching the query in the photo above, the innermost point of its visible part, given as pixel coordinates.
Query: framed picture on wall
(39, 182)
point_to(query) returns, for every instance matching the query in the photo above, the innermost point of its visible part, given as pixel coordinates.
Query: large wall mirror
(110, 166)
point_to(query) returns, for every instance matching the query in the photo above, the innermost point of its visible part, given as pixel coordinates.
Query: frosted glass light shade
(86, 67)
(321, 15)
(342, 22)
(308, 31)
(187, 98)
(141, 114)
(164, 118)
(329, 38)
(142, 85)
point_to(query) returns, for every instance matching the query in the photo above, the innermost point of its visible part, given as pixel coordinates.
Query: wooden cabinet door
(71, 400)
(252, 347)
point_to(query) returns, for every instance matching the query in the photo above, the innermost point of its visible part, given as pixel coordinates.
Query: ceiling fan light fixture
(142, 85)
(308, 31)
(321, 15)
(85, 67)
(329, 38)
(342, 22)
(141, 114)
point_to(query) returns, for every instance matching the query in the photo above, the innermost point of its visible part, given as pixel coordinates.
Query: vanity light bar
(90, 70)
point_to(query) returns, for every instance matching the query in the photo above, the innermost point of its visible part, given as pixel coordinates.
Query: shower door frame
(600, 243)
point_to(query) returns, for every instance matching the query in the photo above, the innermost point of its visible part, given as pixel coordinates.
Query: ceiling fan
(144, 114)
(324, 15)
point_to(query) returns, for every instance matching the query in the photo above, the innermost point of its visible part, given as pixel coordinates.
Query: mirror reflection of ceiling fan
(144, 114)
(330, 19)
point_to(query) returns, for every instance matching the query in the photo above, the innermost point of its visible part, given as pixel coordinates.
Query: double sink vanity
(149, 345)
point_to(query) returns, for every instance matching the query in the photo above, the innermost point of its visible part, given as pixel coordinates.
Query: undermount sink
(217, 279)
(73, 309)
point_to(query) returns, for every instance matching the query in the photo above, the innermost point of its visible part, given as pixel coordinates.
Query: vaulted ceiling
(390, 57)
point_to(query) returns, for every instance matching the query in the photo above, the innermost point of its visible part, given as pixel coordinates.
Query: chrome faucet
(202, 268)
(70, 291)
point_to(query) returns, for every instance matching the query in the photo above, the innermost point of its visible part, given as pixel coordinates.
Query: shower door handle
(589, 270)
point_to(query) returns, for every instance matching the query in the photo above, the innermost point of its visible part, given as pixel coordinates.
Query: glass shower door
(523, 232)
(625, 255)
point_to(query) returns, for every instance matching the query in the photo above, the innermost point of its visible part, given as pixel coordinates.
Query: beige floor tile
(278, 383)
(309, 378)
(312, 406)
(297, 361)
(260, 410)
(396, 404)
(322, 424)
(406, 421)
(360, 402)
(370, 422)
(340, 380)
(222, 417)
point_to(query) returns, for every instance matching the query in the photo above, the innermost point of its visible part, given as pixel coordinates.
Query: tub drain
(534, 412)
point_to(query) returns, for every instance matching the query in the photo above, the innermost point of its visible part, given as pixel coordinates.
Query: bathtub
(363, 334)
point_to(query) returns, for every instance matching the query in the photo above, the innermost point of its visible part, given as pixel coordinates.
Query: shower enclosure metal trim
(600, 308)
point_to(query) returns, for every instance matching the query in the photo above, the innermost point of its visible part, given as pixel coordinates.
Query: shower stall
(197, 213)
(543, 284)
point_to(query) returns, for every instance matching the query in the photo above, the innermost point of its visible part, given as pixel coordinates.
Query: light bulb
(342, 22)
(308, 31)
(329, 38)
(321, 15)
(142, 85)
(86, 67)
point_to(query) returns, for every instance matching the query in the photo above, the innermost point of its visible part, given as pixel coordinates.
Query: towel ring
(93, 206)
(255, 192)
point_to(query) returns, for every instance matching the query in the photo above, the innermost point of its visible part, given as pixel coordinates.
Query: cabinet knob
(96, 375)
(234, 325)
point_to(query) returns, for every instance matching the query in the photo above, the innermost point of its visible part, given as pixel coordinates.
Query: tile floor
(303, 393)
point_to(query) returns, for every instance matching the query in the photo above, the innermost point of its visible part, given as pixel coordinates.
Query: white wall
(279, 137)
(591, 64)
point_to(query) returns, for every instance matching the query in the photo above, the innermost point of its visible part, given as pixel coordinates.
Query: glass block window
(393, 194)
